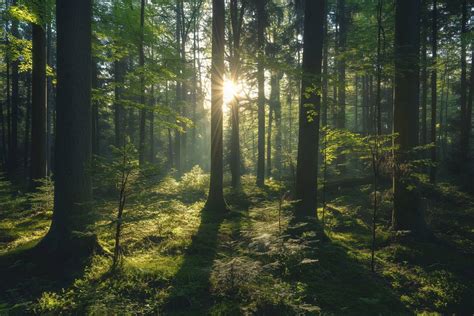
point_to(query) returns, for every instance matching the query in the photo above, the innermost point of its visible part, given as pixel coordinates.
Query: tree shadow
(341, 284)
(26, 273)
(191, 286)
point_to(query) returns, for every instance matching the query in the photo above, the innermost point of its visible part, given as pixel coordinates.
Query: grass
(181, 260)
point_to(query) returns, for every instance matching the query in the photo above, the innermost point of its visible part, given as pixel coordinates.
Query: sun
(230, 91)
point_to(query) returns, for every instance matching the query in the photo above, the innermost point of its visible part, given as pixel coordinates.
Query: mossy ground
(181, 260)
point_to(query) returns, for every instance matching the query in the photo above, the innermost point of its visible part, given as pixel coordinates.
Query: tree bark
(308, 145)
(434, 90)
(141, 57)
(215, 200)
(72, 199)
(261, 92)
(406, 209)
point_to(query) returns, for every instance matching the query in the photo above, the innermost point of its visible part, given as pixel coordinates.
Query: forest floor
(179, 259)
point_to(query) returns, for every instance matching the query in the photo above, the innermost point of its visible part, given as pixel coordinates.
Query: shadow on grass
(341, 284)
(26, 273)
(191, 286)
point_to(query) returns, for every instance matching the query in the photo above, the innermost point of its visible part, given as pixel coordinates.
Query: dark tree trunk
(434, 90)
(406, 209)
(424, 73)
(278, 129)
(141, 55)
(152, 125)
(50, 108)
(308, 145)
(261, 91)
(341, 65)
(15, 103)
(236, 16)
(325, 99)
(464, 132)
(72, 199)
(215, 200)
(95, 110)
(269, 139)
(27, 139)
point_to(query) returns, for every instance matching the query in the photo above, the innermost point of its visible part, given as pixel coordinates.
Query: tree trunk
(141, 55)
(464, 132)
(72, 199)
(308, 145)
(95, 109)
(236, 24)
(341, 65)
(15, 103)
(434, 90)
(215, 200)
(406, 209)
(261, 91)
(424, 73)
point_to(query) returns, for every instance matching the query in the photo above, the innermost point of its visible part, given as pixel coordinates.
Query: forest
(236, 157)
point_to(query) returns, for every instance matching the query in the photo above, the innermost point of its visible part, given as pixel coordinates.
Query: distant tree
(308, 145)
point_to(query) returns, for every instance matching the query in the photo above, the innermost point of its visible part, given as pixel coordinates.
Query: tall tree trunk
(215, 200)
(341, 65)
(325, 79)
(424, 72)
(73, 193)
(95, 109)
(308, 145)
(50, 102)
(261, 91)
(15, 103)
(378, 101)
(269, 139)
(26, 143)
(278, 127)
(236, 16)
(406, 209)
(464, 132)
(152, 125)
(434, 89)
(141, 57)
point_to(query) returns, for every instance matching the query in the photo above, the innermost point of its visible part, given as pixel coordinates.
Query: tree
(39, 107)
(261, 91)
(434, 91)
(237, 17)
(406, 209)
(308, 145)
(73, 191)
(141, 54)
(215, 199)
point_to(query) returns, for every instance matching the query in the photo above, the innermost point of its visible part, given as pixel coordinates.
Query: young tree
(215, 200)
(38, 111)
(73, 191)
(308, 145)
(406, 209)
